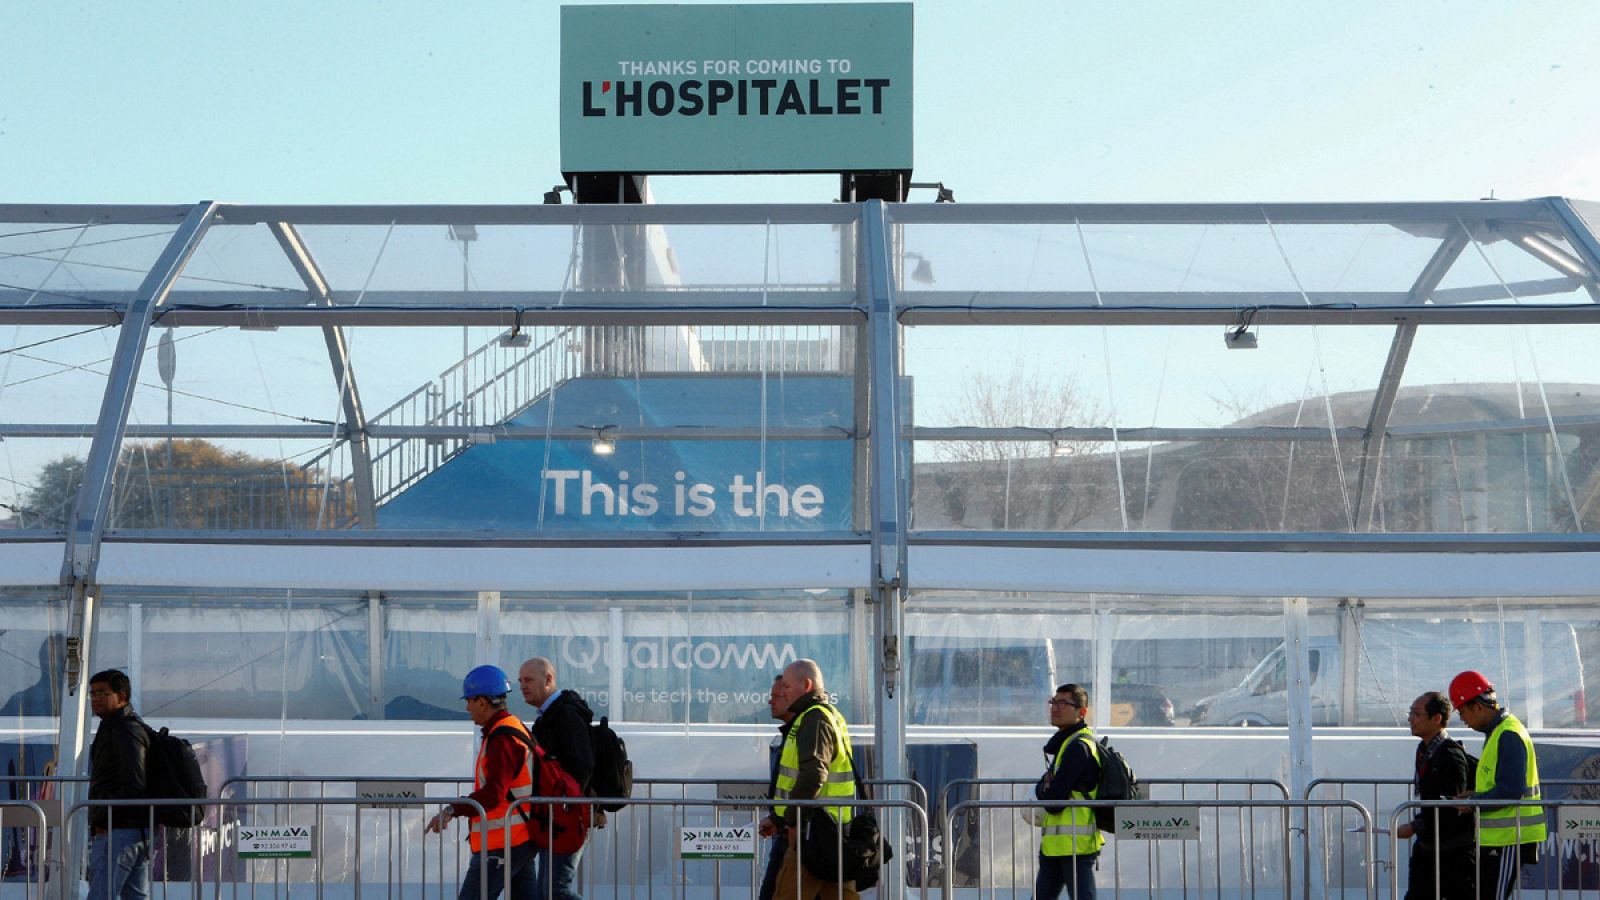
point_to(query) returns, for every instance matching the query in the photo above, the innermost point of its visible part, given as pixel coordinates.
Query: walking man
(563, 730)
(1508, 836)
(1441, 856)
(119, 837)
(770, 826)
(815, 762)
(500, 772)
(1069, 850)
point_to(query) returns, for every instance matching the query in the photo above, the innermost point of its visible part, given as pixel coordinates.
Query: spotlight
(515, 338)
(602, 445)
(552, 197)
(1240, 337)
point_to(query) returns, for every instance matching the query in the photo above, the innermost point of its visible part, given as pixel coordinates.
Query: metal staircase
(499, 380)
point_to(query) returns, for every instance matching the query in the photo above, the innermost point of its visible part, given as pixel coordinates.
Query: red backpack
(562, 827)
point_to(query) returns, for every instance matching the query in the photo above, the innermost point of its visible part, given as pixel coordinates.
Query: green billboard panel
(713, 89)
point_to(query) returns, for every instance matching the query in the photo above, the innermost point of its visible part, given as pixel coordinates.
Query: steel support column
(344, 375)
(1394, 368)
(1297, 656)
(92, 506)
(887, 493)
(93, 503)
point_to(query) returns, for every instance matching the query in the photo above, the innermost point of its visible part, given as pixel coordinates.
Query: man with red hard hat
(1508, 836)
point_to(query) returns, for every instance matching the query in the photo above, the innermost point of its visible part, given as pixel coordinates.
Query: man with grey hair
(816, 762)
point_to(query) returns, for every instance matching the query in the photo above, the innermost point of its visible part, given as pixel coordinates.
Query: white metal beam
(1244, 573)
(403, 568)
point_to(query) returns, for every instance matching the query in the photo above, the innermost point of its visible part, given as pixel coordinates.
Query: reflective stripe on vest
(1511, 825)
(841, 779)
(1072, 832)
(490, 831)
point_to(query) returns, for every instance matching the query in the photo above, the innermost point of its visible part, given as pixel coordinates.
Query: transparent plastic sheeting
(1009, 265)
(994, 660)
(300, 656)
(409, 265)
(711, 428)
(1488, 430)
(973, 658)
(56, 264)
(31, 655)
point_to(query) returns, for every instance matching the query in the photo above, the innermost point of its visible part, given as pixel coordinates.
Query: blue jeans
(564, 870)
(1075, 873)
(769, 881)
(119, 865)
(521, 862)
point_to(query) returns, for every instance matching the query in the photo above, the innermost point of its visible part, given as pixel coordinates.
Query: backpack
(173, 772)
(1117, 782)
(562, 827)
(613, 771)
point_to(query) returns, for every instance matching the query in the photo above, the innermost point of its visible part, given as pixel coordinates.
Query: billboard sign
(715, 89)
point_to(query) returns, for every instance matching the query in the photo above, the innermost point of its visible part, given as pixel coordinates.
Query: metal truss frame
(868, 296)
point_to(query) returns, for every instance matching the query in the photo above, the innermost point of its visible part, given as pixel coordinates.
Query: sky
(405, 102)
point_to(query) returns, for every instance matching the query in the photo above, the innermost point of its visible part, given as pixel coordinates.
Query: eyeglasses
(102, 693)
(1055, 702)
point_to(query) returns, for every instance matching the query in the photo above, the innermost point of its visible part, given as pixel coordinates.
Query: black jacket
(117, 768)
(1442, 773)
(1079, 771)
(563, 731)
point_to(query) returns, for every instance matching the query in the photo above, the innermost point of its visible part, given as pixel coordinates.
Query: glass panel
(55, 264)
(233, 485)
(39, 479)
(238, 654)
(429, 645)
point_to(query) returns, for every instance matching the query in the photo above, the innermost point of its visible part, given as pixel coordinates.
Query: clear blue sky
(1062, 101)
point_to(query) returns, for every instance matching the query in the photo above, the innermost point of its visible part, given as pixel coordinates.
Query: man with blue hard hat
(500, 775)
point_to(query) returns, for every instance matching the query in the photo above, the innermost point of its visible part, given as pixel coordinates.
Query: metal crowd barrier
(962, 851)
(1573, 842)
(916, 793)
(1386, 793)
(1234, 852)
(231, 847)
(26, 840)
(638, 840)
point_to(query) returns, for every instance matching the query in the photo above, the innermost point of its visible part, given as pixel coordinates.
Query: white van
(1399, 658)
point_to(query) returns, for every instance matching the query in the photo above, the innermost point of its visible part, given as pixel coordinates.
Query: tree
(1045, 485)
(201, 486)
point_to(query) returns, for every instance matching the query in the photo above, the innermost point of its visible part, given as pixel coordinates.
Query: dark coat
(563, 731)
(117, 768)
(1442, 775)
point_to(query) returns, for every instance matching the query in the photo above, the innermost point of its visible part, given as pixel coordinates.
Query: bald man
(815, 762)
(562, 729)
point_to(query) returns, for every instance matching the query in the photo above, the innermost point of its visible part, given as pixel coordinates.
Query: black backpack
(1117, 782)
(173, 772)
(613, 771)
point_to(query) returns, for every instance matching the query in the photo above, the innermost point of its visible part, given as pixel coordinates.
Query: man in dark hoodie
(562, 729)
(119, 837)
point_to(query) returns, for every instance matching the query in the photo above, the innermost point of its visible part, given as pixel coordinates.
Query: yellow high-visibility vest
(1072, 831)
(841, 780)
(1514, 824)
